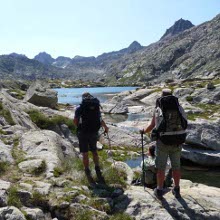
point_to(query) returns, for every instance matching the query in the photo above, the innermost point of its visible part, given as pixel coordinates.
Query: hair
(151, 150)
(166, 92)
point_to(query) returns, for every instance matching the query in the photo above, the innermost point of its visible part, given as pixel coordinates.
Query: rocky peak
(178, 27)
(44, 58)
(135, 46)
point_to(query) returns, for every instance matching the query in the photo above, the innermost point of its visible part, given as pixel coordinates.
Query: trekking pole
(110, 147)
(142, 146)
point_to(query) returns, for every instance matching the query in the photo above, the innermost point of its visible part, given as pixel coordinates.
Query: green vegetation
(39, 200)
(6, 114)
(3, 132)
(39, 170)
(209, 110)
(13, 197)
(19, 94)
(189, 98)
(4, 166)
(44, 122)
(17, 153)
(121, 216)
(81, 214)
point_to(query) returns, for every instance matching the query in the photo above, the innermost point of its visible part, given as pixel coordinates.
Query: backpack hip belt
(172, 132)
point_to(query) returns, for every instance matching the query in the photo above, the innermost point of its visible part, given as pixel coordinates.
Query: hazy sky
(92, 27)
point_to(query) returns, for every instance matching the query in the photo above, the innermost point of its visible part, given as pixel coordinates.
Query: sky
(92, 27)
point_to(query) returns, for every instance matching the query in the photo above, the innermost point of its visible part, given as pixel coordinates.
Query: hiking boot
(89, 176)
(158, 193)
(176, 192)
(99, 175)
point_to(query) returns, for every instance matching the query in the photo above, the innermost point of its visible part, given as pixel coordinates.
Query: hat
(166, 92)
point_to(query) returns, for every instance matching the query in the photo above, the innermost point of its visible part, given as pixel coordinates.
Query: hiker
(150, 170)
(88, 121)
(168, 129)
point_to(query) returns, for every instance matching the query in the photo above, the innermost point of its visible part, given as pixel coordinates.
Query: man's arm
(104, 126)
(150, 126)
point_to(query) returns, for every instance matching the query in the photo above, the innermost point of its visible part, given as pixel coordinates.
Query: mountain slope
(180, 54)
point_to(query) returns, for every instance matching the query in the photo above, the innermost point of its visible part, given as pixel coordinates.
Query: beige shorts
(163, 152)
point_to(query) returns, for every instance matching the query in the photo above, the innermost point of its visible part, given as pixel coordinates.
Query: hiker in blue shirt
(88, 121)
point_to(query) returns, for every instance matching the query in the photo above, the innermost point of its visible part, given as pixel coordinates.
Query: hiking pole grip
(142, 146)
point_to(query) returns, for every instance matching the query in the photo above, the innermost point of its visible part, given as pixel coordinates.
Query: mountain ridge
(192, 52)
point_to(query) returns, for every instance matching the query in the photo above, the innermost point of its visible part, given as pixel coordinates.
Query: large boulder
(201, 156)
(204, 133)
(5, 153)
(40, 94)
(46, 145)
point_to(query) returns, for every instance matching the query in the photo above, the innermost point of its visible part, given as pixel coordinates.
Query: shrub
(39, 170)
(120, 216)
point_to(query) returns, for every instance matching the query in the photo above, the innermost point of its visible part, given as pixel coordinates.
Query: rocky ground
(41, 174)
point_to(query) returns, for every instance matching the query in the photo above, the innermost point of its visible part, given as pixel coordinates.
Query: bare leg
(160, 179)
(176, 177)
(85, 160)
(95, 158)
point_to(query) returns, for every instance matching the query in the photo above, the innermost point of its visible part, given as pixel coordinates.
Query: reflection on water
(137, 117)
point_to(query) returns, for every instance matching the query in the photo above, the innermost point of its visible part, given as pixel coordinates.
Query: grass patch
(209, 110)
(19, 94)
(13, 197)
(3, 132)
(6, 114)
(17, 153)
(39, 200)
(39, 170)
(44, 122)
(4, 166)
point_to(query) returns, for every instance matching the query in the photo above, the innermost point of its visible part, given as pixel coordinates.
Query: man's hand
(142, 131)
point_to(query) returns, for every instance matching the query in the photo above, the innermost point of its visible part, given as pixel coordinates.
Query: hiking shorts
(87, 141)
(163, 152)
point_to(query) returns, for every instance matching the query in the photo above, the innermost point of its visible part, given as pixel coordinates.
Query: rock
(202, 157)
(182, 92)
(150, 100)
(198, 202)
(204, 133)
(4, 186)
(34, 213)
(121, 137)
(46, 145)
(5, 153)
(123, 167)
(31, 166)
(42, 187)
(11, 213)
(210, 86)
(77, 210)
(119, 108)
(139, 94)
(39, 94)
(213, 95)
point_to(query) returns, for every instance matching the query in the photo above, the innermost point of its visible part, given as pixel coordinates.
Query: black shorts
(87, 141)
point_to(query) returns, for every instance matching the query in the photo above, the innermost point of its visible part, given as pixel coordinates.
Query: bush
(4, 166)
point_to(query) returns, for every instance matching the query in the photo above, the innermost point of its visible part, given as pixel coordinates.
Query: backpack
(170, 121)
(90, 115)
(149, 173)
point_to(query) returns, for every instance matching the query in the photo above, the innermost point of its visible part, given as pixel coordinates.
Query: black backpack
(90, 115)
(170, 120)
